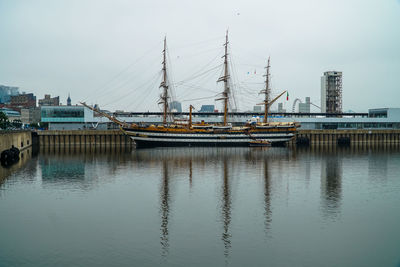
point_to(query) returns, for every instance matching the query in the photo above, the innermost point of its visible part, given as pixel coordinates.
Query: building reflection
(79, 167)
(331, 185)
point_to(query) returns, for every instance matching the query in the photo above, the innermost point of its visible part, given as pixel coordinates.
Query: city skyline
(110, 53)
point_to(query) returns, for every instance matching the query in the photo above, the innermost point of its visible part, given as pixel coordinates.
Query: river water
(324, 206)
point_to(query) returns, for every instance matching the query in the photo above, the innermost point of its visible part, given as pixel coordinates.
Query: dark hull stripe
(215, 138)
(147, 144)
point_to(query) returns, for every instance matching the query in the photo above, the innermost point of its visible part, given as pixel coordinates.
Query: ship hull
(144, 138)
(156, 143)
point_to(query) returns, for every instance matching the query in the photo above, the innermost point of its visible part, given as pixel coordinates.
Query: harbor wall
(303, 137)
(83, 138)
(346, 137)
(18, 139)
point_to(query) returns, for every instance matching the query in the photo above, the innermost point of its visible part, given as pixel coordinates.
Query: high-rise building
(6, 92)
(23, 101)
(257, 108)
(175, 106)
(305, 107)
(280, 108)
(331, 92)
(30, 115)
(207, 108)
(49, 101)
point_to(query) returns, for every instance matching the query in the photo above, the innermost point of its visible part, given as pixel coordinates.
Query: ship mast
(266, 92)
(163, 84)
(225, 93)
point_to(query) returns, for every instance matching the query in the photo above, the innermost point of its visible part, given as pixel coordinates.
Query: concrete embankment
(18, 139)
(83, 137)
(21, 140)
(306, 137)
(346, 137)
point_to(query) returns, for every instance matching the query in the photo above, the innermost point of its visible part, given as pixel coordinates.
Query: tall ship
(189, 133)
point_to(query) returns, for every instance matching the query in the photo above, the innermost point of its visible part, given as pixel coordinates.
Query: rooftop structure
(49, 101)
(69, 101)
(331, 92)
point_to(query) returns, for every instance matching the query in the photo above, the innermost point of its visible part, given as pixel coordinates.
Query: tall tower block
(331, 92)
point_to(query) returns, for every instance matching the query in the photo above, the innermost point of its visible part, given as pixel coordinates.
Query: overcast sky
(109, 52)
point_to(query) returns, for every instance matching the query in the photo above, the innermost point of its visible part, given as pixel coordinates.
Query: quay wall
(349, 137)
(305, 137)
(83, 138)
(18, 139)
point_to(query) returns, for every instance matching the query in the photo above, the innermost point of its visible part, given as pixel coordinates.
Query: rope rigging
(241, 93)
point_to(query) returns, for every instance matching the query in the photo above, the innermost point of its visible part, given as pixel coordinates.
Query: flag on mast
(287, 96)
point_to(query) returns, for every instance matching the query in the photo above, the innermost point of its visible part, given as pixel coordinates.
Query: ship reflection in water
(203, 207)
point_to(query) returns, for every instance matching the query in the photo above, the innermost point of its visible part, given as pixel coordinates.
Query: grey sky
(78, 47)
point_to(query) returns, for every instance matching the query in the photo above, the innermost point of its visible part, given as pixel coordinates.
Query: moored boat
(203, 134)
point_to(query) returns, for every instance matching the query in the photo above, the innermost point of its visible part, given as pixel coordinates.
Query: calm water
(202, 207)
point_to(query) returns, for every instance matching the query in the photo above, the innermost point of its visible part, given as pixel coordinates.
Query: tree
(17, 123)
(3, 120)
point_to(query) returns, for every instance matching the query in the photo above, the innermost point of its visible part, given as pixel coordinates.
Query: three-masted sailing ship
(204, 134)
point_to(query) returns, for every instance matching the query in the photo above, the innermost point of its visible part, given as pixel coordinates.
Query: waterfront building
(71, 118)
(30, 115)
(175, 106)
(22, 101)
(280, 108)
(6, 92)
(49, 101)
(305, 107)
(257, 108)
(380, 118)
(79, 117)
(331, 92)
(11, 114)
(207, 108)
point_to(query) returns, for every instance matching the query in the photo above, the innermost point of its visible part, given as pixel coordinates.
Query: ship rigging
(189, 133)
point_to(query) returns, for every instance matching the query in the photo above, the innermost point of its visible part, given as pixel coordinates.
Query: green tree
(17, 123)
(3, 120)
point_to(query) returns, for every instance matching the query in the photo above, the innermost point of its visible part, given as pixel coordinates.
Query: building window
(62, 113)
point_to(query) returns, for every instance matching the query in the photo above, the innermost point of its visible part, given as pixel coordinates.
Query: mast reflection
(226, 209)
(267, 198)
(190, 173)
(164, 202)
